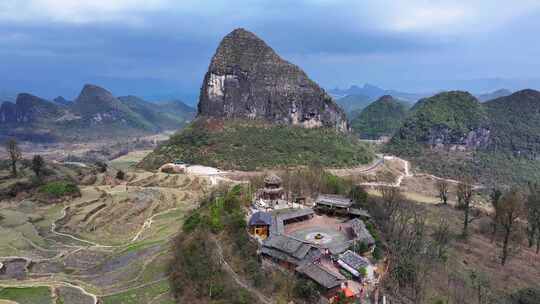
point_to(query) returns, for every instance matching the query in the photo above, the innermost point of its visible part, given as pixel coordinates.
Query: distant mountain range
(353, 104)
(493, 95)
(94, 114)
(373, 93)
(354, 99)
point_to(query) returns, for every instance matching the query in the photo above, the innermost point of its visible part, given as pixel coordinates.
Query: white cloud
(408, 16)
(78, 11)
(444, 16)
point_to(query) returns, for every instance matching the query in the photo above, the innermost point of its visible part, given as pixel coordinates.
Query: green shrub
(363, 271)
(192, 222)
(377, 252)
(359, 196)
(60, 188)
(306, 289)
(360, 247)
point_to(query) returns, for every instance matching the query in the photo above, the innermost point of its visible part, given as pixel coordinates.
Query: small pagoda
(272, 190)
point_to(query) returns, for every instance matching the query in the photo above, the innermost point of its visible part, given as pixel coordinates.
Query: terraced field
(109, 245)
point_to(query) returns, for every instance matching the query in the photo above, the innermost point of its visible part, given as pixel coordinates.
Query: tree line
(514, 214)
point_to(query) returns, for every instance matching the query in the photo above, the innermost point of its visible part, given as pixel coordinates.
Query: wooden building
(259, 224)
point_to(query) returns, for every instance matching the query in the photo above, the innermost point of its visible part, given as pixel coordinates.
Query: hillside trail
(406, 174)
(262, 298)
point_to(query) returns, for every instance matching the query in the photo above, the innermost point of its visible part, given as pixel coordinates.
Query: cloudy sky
(161, 48)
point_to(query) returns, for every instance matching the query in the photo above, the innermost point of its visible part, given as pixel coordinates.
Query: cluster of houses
(333, 266)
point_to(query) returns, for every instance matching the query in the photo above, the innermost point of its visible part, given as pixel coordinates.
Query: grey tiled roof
(361, 232)
(359, 212)
(260, 218)
(273, 179)
(354, 260)
(281, 215)
(320, 275)
(334, 200)
(289, 249)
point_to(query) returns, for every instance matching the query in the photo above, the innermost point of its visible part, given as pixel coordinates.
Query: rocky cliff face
(440, 137)
(247, 79)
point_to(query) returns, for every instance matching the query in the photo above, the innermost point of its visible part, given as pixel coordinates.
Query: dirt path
(400, 178)
(407, 173)
(262, 298)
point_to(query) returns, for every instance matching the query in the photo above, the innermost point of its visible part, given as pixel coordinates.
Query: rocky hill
(452, 120)
(258, 111)
(453, 134)
(246, 79)
(95, 114)
(381, 118)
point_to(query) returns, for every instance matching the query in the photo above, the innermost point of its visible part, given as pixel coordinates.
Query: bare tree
(441, 238)
(392, 199)
(533, 217)
(38, 163)
(511, 209)
(464, 195)
(412, 255)
(481, 285)
(12, 148)
(442, 187)
(494, 200)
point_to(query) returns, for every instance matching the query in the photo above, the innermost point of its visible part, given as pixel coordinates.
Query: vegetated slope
(453, 119)
(246, 79)
(452, 134)
(381, 118)
(166, 116)
(354, 104)
(177, 109)
(249, 145)
(515, 123)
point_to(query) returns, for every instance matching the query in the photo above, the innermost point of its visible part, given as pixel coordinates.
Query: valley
(272, 190)
(111, 243)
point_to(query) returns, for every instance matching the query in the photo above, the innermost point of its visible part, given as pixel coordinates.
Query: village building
(361, 233)
(288, 252)
(330, 282)
(272, 190)
(322, 259)
(339, 205)
(356, 265)
(259, 224)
